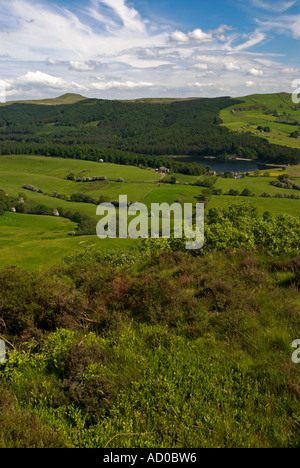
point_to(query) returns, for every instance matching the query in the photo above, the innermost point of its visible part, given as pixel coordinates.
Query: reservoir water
(231, 165)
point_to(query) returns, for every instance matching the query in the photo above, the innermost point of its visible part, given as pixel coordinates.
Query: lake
(232, 166)
(223, 166)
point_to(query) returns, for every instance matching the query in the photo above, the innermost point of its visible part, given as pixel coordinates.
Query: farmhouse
(163, 170)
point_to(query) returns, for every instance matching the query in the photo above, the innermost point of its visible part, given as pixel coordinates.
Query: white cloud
(3, 90)
(128, 15)
(39, 78)
(179, 36)
(275, 6)
(250, 84)
(120, 85)
(257, 37)
(290, 70)
(201, 66)
(52, 61)
(289, 24)
(37, 81)
(197, 36)
(255, 72)
(197, 84)
(61, 34)
(133, 54)
(231, 66)
(83, 66)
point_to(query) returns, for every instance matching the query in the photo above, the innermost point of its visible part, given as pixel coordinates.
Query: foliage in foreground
(173, 351)
(238, 226)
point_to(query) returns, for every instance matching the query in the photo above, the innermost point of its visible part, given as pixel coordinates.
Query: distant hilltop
(71, 98)
(68, 98)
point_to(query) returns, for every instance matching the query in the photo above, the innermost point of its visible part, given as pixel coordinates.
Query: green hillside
(146, 131)
(32, 237)
(140, 343)
(276, 112)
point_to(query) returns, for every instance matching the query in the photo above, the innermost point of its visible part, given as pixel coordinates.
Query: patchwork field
(275, 206)
(258, 185)
(276, 111)
(32, 241)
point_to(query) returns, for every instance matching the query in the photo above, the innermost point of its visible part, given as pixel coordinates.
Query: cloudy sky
(116, 49)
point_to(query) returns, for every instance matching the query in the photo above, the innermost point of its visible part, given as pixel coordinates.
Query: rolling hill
(275, 113)
(74, 126)
(68, 98)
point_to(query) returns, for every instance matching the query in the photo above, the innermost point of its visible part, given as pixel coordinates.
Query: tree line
(132, 133)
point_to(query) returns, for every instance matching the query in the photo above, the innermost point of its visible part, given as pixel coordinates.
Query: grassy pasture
(257, 185)
(60, 168)
(294, 171)
(49, 174)
(276, 206)
(254, 111)
(183, 178)
(166, 193)
(34, 241)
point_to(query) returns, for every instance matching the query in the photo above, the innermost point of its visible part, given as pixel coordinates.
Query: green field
(49, 175)
(275, 206)
(258, 185)
(40, 241)
(130, 344)
(60, 168)
(34, 241)
(276, 111)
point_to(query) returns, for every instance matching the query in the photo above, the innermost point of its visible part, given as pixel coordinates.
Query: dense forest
(137, 133)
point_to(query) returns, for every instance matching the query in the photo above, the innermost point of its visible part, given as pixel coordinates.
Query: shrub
(23, 429)
(84, 383)
(233, 192)
(5, 204)
(32, 302)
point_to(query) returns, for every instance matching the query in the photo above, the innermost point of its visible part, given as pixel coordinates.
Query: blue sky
(116, 49)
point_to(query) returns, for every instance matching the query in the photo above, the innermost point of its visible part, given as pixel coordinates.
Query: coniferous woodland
(134, 133)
